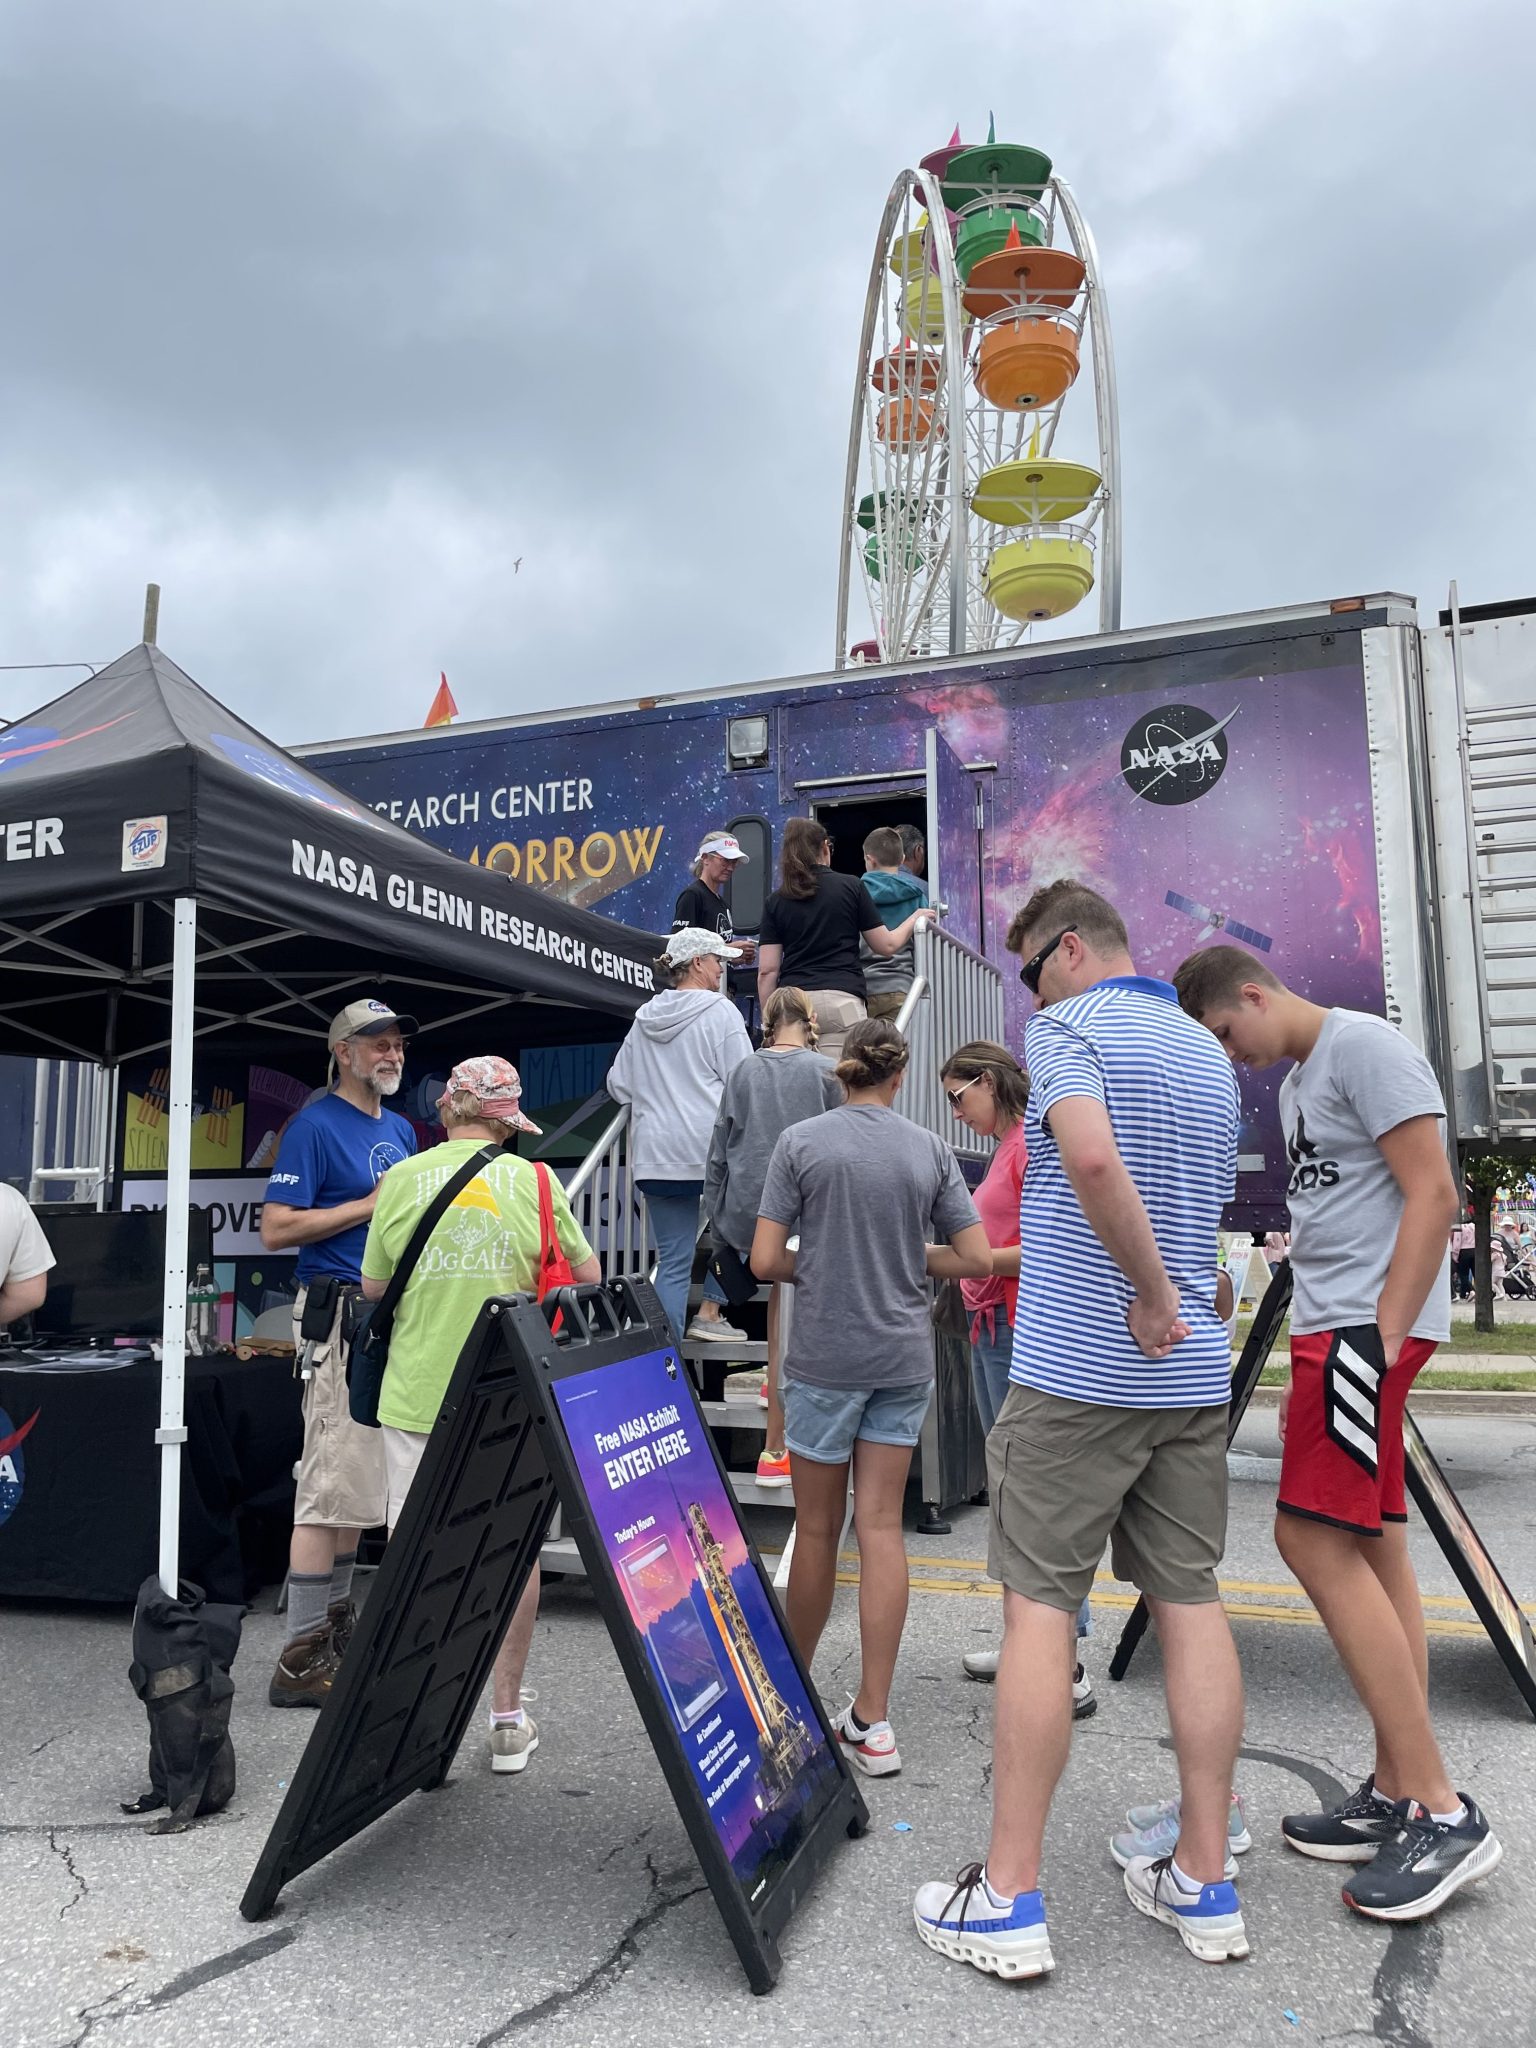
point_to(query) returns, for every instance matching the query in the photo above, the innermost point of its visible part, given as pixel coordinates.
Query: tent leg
(172, 1434)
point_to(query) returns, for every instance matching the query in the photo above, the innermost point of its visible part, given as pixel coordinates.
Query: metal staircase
(1496, 733)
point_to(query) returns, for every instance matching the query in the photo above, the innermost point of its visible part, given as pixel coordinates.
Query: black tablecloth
(87, 1522)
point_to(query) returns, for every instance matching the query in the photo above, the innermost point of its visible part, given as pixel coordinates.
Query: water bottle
(203, 1310)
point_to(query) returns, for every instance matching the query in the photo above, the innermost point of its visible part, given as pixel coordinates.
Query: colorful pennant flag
(444, 711)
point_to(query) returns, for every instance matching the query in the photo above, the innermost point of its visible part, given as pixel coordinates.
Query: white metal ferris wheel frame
(926, 188)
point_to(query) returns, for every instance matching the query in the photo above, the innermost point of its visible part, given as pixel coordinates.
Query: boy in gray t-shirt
(1372, 1201)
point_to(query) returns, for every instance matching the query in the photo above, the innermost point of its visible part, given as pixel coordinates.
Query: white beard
(384, 1084)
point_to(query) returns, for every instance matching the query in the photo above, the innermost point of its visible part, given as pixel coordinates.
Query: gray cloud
(321, 317)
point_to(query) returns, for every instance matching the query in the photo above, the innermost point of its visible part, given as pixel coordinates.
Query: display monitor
(109, 1279)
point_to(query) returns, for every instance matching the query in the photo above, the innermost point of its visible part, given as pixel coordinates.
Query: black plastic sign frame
(1464, 1550)
(470, 1533)
(1481, 1580)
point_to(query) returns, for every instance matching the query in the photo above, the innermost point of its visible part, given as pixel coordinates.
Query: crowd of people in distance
(1099, 1324)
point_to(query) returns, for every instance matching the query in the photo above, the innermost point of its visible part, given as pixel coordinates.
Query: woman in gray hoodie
(783, 1083)
(681, 1049)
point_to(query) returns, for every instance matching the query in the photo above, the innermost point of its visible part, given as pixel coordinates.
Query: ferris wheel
(962, 525)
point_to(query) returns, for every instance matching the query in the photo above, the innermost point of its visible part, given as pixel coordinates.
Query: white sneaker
(512, 1743)
(1209, 1921)
(982, 1664)
(961, 1922)
(873, 1752)
(715, 1330)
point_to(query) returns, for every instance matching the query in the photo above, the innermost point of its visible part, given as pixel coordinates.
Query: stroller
(1519, 1271)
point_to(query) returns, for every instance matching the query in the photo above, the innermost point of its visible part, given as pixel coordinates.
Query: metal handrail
(607, 1204)
(956, 995)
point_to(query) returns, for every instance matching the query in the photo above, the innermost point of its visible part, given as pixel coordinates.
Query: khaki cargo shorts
(341, 1472)
(887, 1006)
(836, 1015)
(1064, 1476)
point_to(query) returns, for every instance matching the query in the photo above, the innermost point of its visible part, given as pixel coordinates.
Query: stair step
(734, 1415)
(560, 1554)
(746, 1489)
(698, 1349)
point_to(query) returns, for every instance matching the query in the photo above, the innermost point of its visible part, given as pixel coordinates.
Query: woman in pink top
(987, 1089)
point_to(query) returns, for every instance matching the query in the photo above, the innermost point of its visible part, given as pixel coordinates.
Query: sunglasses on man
(1029, 973)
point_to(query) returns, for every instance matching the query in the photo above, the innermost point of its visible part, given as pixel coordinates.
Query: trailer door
(955, 818)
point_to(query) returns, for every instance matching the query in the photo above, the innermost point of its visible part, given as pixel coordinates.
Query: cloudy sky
(321, 316)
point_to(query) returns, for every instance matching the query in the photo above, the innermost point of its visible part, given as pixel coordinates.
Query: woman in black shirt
(701, 903)
(810, 933)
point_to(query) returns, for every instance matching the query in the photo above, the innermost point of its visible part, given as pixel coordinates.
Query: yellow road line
(1296, 1616)
(1455, 1602)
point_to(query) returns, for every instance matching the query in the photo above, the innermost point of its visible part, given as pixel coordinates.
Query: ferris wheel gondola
(961, 525)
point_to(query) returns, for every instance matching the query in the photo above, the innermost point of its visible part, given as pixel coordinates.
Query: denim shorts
(822, 1423)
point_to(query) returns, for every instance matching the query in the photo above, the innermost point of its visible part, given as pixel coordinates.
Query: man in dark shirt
(700, 904)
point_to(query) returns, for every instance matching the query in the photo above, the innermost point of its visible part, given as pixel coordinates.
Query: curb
(1441, 1401)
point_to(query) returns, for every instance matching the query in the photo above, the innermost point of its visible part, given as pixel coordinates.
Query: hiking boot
(341, 1621)
(305, 1671)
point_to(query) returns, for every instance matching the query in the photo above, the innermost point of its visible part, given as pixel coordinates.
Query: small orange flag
(444, 710)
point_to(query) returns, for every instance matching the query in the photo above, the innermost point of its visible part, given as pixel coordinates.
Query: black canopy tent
(167, 874)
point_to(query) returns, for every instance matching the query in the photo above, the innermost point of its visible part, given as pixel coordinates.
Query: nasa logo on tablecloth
(1175, 754)
(144, 844)
(13, 1463)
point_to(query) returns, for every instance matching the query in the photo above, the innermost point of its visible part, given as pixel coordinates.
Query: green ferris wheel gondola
(995, 170)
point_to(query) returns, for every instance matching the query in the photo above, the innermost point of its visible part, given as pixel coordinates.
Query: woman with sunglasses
(987, 1089)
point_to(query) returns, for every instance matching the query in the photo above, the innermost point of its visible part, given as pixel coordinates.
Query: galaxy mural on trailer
(1206, 809)
(752, 1740)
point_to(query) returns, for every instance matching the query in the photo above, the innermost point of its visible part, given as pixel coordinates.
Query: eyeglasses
(1029, 973)
(952, 1095)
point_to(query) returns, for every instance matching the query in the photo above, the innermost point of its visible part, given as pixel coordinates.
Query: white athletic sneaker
(873, 1752)
(1209, 1922)
(961, 1922)
(982, 1664)
(1164, 1814)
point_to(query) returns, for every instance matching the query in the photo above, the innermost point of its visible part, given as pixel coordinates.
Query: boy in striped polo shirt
(1372, 1198)
(1114, 1428)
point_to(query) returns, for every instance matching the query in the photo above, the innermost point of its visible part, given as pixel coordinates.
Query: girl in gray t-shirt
(879, 1206)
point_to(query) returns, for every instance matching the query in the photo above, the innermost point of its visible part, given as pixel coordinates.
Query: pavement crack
(1404, 1983)
(603, 1975)
(66, 1857)
(89, 2015)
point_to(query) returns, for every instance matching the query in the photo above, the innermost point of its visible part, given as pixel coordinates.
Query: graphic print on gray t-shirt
(866, 1190)
(1362, 1079)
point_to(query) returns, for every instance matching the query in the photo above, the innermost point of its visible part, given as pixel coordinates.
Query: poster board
(603, 1417)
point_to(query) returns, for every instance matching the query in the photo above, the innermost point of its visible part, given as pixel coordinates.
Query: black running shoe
(1351, 1833)
(1413, 1875)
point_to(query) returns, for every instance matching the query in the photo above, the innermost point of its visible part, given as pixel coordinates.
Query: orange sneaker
(773, 1470)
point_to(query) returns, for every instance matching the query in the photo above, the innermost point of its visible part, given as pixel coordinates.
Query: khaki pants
(888, 1006)
(836, 1015)
(341, 1471)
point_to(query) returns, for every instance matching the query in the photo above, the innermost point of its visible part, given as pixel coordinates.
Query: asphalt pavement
(564, 1906)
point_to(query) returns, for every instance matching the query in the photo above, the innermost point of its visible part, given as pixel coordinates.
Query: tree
(1487, 1175)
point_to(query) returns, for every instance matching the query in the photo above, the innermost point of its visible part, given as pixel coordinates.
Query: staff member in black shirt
(700, 905)
(810, 934)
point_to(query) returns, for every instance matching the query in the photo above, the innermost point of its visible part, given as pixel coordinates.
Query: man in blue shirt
(318, 1201)
(1114, 1427)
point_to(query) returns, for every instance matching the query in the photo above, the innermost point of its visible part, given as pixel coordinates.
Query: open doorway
(850, 820)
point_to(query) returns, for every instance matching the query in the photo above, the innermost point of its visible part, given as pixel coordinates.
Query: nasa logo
(144, 843)
(13, 1464)
(1175, 754)
(380, 1009)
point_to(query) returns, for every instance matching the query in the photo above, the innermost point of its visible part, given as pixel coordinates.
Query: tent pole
(172, 1434)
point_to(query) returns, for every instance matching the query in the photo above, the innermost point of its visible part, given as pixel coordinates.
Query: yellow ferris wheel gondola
(1037, 491)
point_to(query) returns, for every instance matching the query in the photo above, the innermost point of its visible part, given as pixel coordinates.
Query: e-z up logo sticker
(1175, 754)
(144, 843)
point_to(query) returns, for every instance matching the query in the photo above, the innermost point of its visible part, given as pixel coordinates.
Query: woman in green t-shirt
(486, 1242)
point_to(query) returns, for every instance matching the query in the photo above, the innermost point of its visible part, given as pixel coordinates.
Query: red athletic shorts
(1343, 1457)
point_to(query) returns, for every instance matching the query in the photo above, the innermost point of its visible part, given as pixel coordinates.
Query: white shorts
(402, 1455)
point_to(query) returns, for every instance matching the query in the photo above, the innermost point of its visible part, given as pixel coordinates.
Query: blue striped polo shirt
(1173, 1102)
